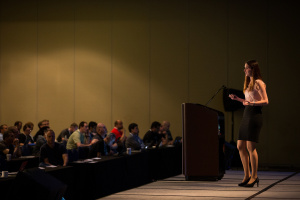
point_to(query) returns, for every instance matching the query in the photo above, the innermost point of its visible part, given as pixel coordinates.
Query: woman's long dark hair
(253, 64)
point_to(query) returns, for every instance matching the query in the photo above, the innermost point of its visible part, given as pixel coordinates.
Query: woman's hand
(246, 103)
(16, 142)
(233, 97)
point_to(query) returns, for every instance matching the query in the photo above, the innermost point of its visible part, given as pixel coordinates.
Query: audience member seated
(10, 145)
(101, 132)
(166, 129)
(18, 124)
(41, 124)
(134, 141)
(14, 130)
(152, 137)
(76, 141)
(3, 129)
(92, 131)
(26, 138)
(118, 130)
(53, 153)
(66, 133)
(101, 147)
(30, 124)
(41, 140)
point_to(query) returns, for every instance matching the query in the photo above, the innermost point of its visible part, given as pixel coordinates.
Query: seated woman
(25, 138)
(26, 141)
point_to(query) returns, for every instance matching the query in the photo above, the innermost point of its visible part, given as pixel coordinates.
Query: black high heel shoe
(252, 184)
(245, 182)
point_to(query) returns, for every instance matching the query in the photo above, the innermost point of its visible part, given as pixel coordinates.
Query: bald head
(101, 129)
(119, 124)
(166, 125)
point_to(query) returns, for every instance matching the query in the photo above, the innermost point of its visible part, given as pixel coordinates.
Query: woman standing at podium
(255, 98)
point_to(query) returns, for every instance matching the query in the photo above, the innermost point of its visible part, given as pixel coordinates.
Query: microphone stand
(223, 86)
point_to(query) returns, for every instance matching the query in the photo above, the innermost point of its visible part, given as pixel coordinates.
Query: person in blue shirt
(134, 141)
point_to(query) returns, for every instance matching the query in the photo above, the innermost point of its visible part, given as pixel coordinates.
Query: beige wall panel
(18, 62)
(93, 62)
(247, 34)
(208, 53)
(130, 64)
(56, 64)
(284, 53)
(169, 62)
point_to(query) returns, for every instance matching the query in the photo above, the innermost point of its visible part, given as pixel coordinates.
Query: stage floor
(272, 185)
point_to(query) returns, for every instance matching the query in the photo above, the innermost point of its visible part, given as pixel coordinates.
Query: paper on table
(51, 166)
(88, 160)
(27, 156)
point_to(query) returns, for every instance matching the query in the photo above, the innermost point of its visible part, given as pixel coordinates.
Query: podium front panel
(200, 142)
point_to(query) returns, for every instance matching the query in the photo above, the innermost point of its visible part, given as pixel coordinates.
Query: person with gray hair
(167, 132)
(102, 146)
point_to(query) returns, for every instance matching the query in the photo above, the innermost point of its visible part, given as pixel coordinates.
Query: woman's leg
(251, 146)
(242, 147)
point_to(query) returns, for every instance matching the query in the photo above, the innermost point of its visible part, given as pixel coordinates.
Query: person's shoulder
(64, 131)
(2, 143)
(98, 137)
(75, 133)
(130, 137)
(59, 145)
(260, 82)
(44, 146)
(114, 130)
(56, 144)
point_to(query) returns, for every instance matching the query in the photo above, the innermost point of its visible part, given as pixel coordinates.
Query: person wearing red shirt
(117, 130)
(120, 136)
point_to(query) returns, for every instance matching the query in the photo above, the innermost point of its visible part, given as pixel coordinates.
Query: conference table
(99, 177)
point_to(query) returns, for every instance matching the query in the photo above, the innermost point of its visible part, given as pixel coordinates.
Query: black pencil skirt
(251, 123)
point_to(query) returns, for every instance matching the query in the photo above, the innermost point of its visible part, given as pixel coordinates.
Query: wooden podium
(203, 140)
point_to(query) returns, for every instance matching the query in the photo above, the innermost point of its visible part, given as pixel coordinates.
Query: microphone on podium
(222, 87)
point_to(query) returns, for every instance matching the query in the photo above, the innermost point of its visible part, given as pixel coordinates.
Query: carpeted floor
(272, 185)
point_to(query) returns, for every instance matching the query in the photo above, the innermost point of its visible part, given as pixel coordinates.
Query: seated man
(18, 124)
(41, 140)
(101, 133)
(65, 134)
(134, 141)
(3, 129)
(166, 130)
(41, 124)
(77, 140)
(53, 153)
(10, 145)
(102, 146)
(152, 137)
(92, 131)
(118, 130)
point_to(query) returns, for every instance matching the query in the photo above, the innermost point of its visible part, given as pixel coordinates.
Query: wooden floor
(272, 185)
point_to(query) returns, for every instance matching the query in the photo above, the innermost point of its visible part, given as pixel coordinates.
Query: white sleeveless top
(255, 94)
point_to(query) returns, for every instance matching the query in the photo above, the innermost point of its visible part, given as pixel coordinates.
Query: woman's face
(248, 70)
